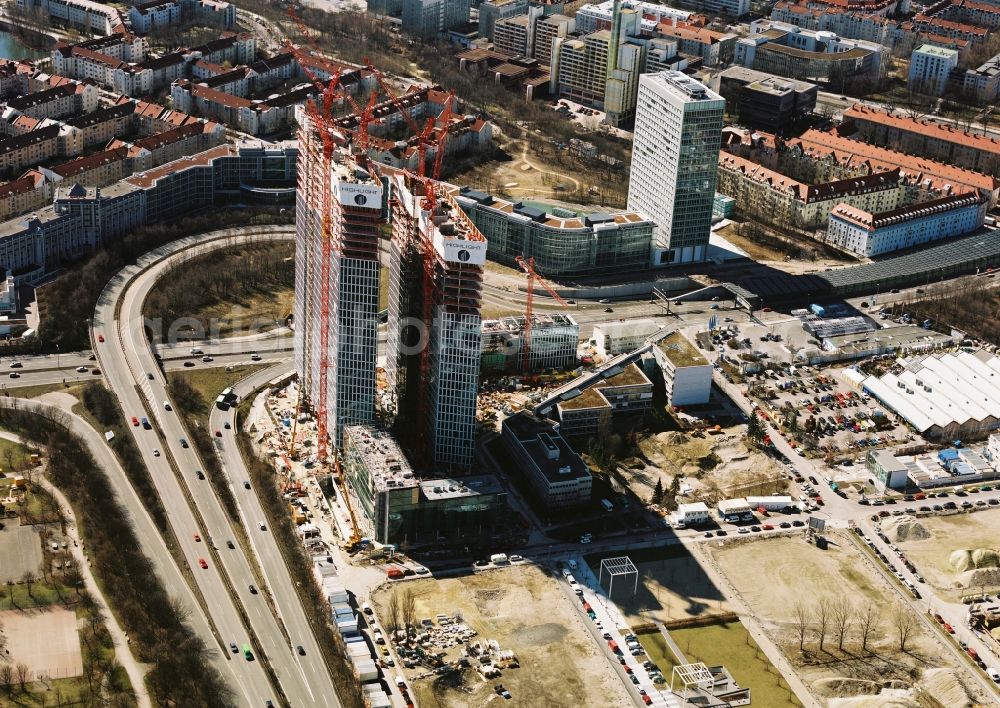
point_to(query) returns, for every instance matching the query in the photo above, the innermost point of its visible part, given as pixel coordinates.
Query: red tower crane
(528, 266)
(442, 142)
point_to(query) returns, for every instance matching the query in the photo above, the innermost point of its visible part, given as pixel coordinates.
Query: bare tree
(408, 611)
(392, 620)
(28, 579)
(824, 614)
(842, 611)
(904, 622)
(802, 617)
(869, 620)
(21, 669)
(6, 676)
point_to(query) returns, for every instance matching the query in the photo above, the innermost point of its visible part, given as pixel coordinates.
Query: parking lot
(842, 419)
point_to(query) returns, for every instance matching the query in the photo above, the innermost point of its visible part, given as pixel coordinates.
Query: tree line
(103, 406)
(842, 618)
(181, 674)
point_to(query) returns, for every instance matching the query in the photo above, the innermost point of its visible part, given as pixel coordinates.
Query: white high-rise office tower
(675, 155)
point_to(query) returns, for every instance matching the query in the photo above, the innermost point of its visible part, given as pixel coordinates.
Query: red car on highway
(202, 563)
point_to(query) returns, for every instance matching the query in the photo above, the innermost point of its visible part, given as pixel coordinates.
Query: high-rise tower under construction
(338, 215)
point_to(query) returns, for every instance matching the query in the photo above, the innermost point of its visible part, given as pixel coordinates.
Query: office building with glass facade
(675, 154)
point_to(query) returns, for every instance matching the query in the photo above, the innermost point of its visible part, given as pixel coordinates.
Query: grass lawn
(13, 456)
(659, 653)
(12, 389)
(211, 382)
(728, 644)
(42, 595)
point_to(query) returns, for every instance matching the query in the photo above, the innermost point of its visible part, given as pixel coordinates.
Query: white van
(196, 350)
(400, 682)
(994, 674)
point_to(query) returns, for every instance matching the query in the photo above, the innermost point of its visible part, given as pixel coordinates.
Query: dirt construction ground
(936, 538)
(46, 640)
(773, 575)
(526, 612)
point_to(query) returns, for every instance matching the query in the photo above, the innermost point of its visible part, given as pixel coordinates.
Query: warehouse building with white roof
(944, 396)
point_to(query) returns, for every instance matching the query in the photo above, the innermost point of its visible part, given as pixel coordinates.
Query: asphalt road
(126, 360)
(251, 513)
(302, 688)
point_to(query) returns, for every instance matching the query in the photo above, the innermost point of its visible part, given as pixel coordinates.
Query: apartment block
(675, 187)
(770, 195)
(511, 35)
(146, 16)
(254, 117)
(86, 15)
(714, 48)
(20, 152)
(492, 11)
(70, 98)
(82, 217)
(937, 140)
(874, 234)
(29, 191)
(98, 170)
(930, 68)
(599, 16)
(558, 476)
(547, 29)
(983, 82)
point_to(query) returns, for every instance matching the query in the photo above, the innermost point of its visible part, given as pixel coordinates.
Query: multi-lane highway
(229, 577)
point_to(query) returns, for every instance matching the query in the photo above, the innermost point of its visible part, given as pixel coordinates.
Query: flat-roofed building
(554, 341)
(687, 374)
(558, 476)
(591, 408)
(983, 82)
(562, 243)
(766, 101)
(930, 68)
(886, 469)
(614, 338)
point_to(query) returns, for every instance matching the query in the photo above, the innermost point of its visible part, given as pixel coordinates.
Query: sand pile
(983, 577)
(944, 687)
(905, 528)
(973, 558)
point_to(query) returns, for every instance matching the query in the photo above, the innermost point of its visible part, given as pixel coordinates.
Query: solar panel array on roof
(962, 254)
(533, 213)
(598, 218)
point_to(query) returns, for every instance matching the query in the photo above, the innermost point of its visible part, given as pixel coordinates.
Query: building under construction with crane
(434, 342)
(554, 341)
(338, 217)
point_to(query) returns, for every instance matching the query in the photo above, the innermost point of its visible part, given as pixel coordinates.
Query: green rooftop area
(680, 351)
